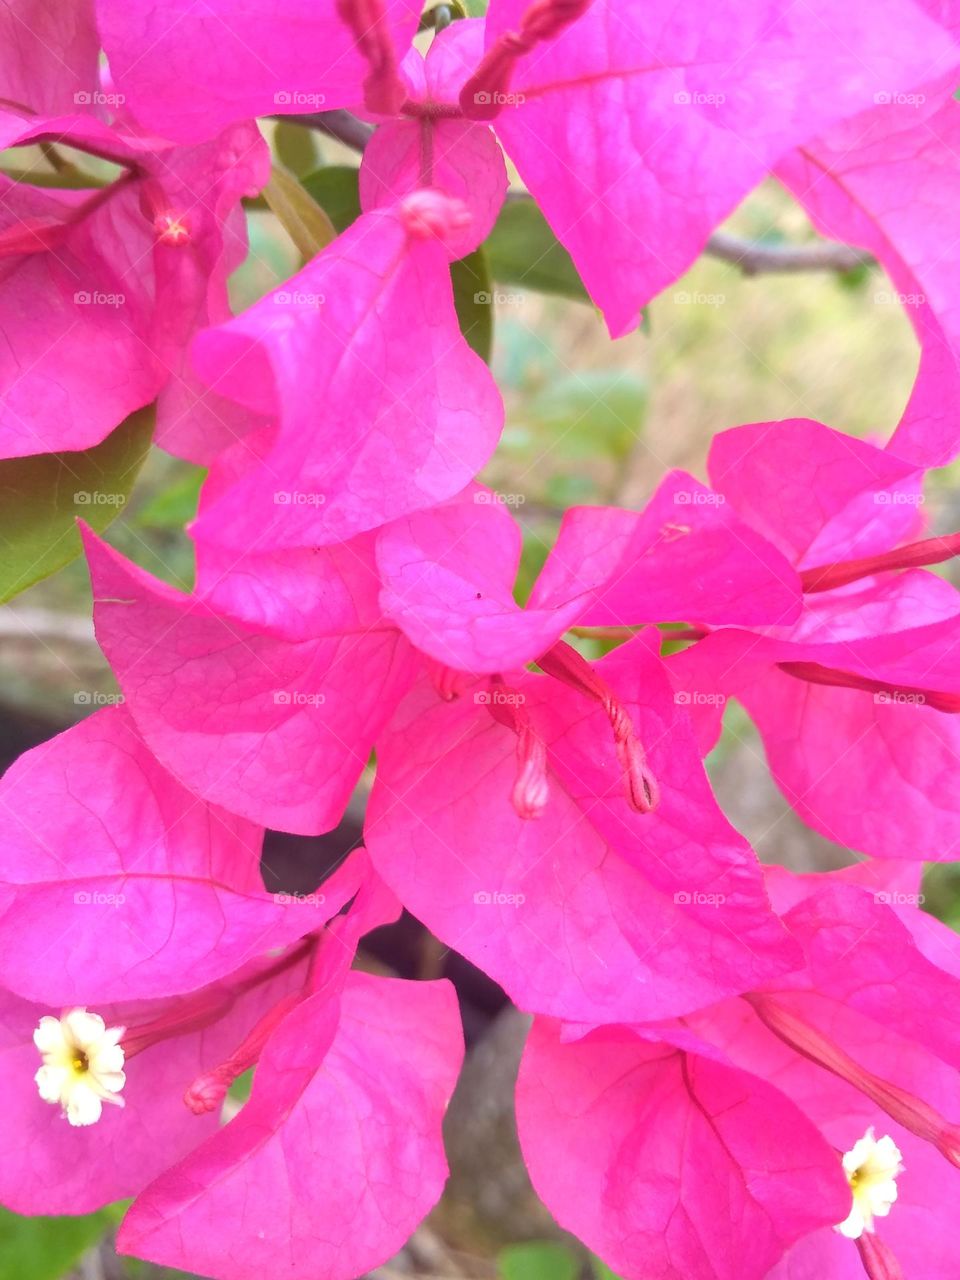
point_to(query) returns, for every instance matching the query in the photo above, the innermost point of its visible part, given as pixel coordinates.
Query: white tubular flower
(872, 1166)
(82, 1064)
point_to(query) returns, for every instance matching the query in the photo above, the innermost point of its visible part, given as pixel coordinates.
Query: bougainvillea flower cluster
(733, 1072)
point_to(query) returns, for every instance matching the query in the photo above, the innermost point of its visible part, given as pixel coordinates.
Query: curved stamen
(878, 1259)
(485, 92)
(911, 1112)
(195, 1012)
(564, 663)
(906, 695)
(208, 1090)
(913, 556)
(532, 788)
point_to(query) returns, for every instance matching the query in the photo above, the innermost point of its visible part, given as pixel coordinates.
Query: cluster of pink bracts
(734, 1072)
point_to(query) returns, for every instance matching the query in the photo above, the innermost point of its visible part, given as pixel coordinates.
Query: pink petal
(275, 729)
(187, 72)
(380, 406)
(50, 53)
(862, 953)
(448, 577)
(590, 910)
(685, 110)
(818, 494)
(686, 556)
(118, 884)
(338, 1154)
(96, 276)
(670, 1164)
(61, 309)
(868, 769)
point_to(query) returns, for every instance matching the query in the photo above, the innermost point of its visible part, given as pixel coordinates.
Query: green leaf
(473, 298)
(240, 1089)
(304, 221)
(176, 505)
(45, 1248)
(334, 187)
(42, 496)
(602, 1271)
(522, 250)
(296, 147)
(538, 1260)
(856, 278)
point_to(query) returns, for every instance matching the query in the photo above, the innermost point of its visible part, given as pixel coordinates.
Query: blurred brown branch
(753, 257)
(342, 125)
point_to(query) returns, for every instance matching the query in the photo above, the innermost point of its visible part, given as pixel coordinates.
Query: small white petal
(108, 1057)
(51, 1082)
(853, 1225)
(85, 1029)
(83, 1106)
(49, 1036)
(109, 1081)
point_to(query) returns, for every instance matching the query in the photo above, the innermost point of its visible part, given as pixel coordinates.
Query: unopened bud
(429, 213)
(206, 1093)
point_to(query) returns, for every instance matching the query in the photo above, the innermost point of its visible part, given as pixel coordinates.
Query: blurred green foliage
(538, 1260)
(44, 1248)
(39, 537)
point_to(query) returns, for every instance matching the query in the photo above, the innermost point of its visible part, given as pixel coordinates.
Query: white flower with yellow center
(872, 1165)
(82, 1064)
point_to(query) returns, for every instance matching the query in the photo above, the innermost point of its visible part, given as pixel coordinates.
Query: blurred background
(588, 421)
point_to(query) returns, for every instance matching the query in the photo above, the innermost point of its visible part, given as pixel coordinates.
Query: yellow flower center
(82, 1064)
